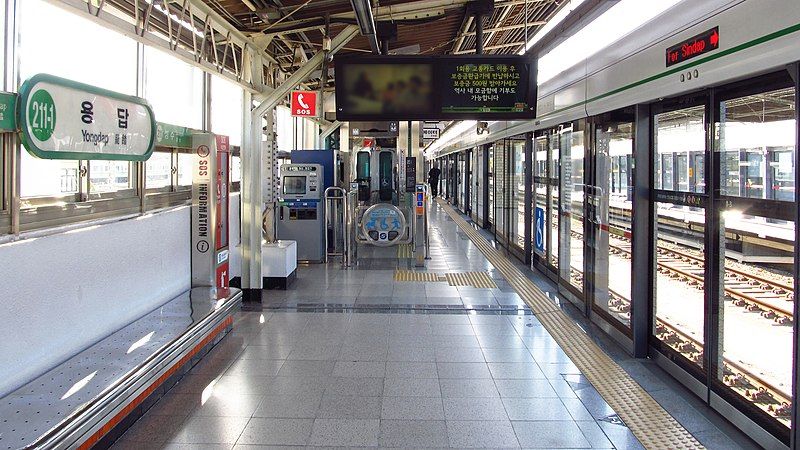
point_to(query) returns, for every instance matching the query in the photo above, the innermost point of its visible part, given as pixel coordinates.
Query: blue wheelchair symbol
(539, 227)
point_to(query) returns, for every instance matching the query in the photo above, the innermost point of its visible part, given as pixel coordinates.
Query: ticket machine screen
(294, 185)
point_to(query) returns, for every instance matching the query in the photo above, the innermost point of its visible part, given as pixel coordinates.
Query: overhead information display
(63, 119)
(483, 87)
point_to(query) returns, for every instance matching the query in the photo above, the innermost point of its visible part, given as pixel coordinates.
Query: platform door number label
(539, 237)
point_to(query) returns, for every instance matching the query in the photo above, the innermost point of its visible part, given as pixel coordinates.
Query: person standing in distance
(433, 180)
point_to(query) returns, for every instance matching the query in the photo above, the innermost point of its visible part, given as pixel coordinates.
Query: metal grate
(648, 421)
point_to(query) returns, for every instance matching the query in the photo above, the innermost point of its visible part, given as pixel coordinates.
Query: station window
(106, 177)
(158, 171)
(70, 39)
(174, 89)
(680, 142)
(185, 169)
(755, 138)
(227, 100)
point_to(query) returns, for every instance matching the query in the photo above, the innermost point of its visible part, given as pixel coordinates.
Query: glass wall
(571, 240)
(227, 101)
(612, 207)
(517, 191)
(541, 181)
(755, 143)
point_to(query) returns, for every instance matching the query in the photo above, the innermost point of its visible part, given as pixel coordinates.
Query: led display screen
(294, 185)
(484, 87)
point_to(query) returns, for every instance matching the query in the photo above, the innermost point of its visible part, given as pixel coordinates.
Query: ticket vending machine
(300, 214)
(210, 207)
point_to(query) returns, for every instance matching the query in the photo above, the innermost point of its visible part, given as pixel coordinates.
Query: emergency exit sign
(304, 104)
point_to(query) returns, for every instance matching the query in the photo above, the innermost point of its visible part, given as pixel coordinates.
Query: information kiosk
(300, 210)
(210, 191)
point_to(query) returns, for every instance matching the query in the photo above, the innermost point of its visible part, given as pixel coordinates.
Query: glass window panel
(236, 169)
(540, 183)
(553, 190)
(185, 169)
(69, 39)
(227, 101)
(679, 304)
(756, 306)
(158, 170)
(756, 141)
(174, 89)
(613, 145)
(572, 152)
(518, 192)
(680, 146)
(110, 176)
(47, 178)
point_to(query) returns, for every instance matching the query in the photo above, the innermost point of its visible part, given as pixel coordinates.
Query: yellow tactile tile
(648, 421)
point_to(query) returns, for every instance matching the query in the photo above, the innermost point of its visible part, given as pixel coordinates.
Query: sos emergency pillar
(210, 207)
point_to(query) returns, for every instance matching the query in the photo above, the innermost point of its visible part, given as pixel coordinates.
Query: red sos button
(304, 103)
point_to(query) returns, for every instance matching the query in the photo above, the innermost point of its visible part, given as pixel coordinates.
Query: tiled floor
(354, 359)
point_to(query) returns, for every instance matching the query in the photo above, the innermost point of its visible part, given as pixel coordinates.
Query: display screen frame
(437, 63)
(286, 184)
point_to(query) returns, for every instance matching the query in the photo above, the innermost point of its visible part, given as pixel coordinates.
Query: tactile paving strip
(405, 251)
(648, 421)
(410, 275)
(475, 279)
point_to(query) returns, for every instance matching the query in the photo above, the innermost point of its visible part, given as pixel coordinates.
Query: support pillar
(643, 275)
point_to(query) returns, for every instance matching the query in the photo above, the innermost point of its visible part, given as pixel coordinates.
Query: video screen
(388, 89)
(294, 185)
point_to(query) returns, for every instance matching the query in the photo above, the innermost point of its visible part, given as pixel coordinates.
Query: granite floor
(353, 358)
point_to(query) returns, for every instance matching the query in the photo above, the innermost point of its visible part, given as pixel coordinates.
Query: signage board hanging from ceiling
(63, 119)
(430, 133)
(482, 87)
(304, 103)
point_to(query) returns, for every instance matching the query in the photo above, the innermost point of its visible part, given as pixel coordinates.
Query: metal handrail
(341, 196)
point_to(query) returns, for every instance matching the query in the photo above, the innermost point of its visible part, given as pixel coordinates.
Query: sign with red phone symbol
(304, 103)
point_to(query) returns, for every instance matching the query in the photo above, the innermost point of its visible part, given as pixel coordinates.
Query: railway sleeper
(784, 410)
(762, 395)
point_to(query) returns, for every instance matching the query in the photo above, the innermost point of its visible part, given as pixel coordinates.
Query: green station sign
(173, 136)
(64, 119)
(8, 120)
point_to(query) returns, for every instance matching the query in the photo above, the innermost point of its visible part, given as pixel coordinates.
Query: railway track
(771, 298)
(773, 400)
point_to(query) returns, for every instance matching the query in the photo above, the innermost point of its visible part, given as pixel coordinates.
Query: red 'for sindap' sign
(304, 103)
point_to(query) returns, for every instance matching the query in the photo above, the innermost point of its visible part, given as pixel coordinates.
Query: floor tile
(412, 408)
(406, 369)
(262, 431)
(550, 435)
(295, 406)
(345, 432)
(349, 407)
(472, 387)
(515, 371)
(525, 388)
(533, 409)
(474, 408)
(371, 369)
(481, 434)
(413, 434)
(411, 387)
(210, 430)
(463, 370)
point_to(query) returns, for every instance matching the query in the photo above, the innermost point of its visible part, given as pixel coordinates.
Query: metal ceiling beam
(507, 27)
(366, 23)
(303, 73)
(421, 9)
(492, 47)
